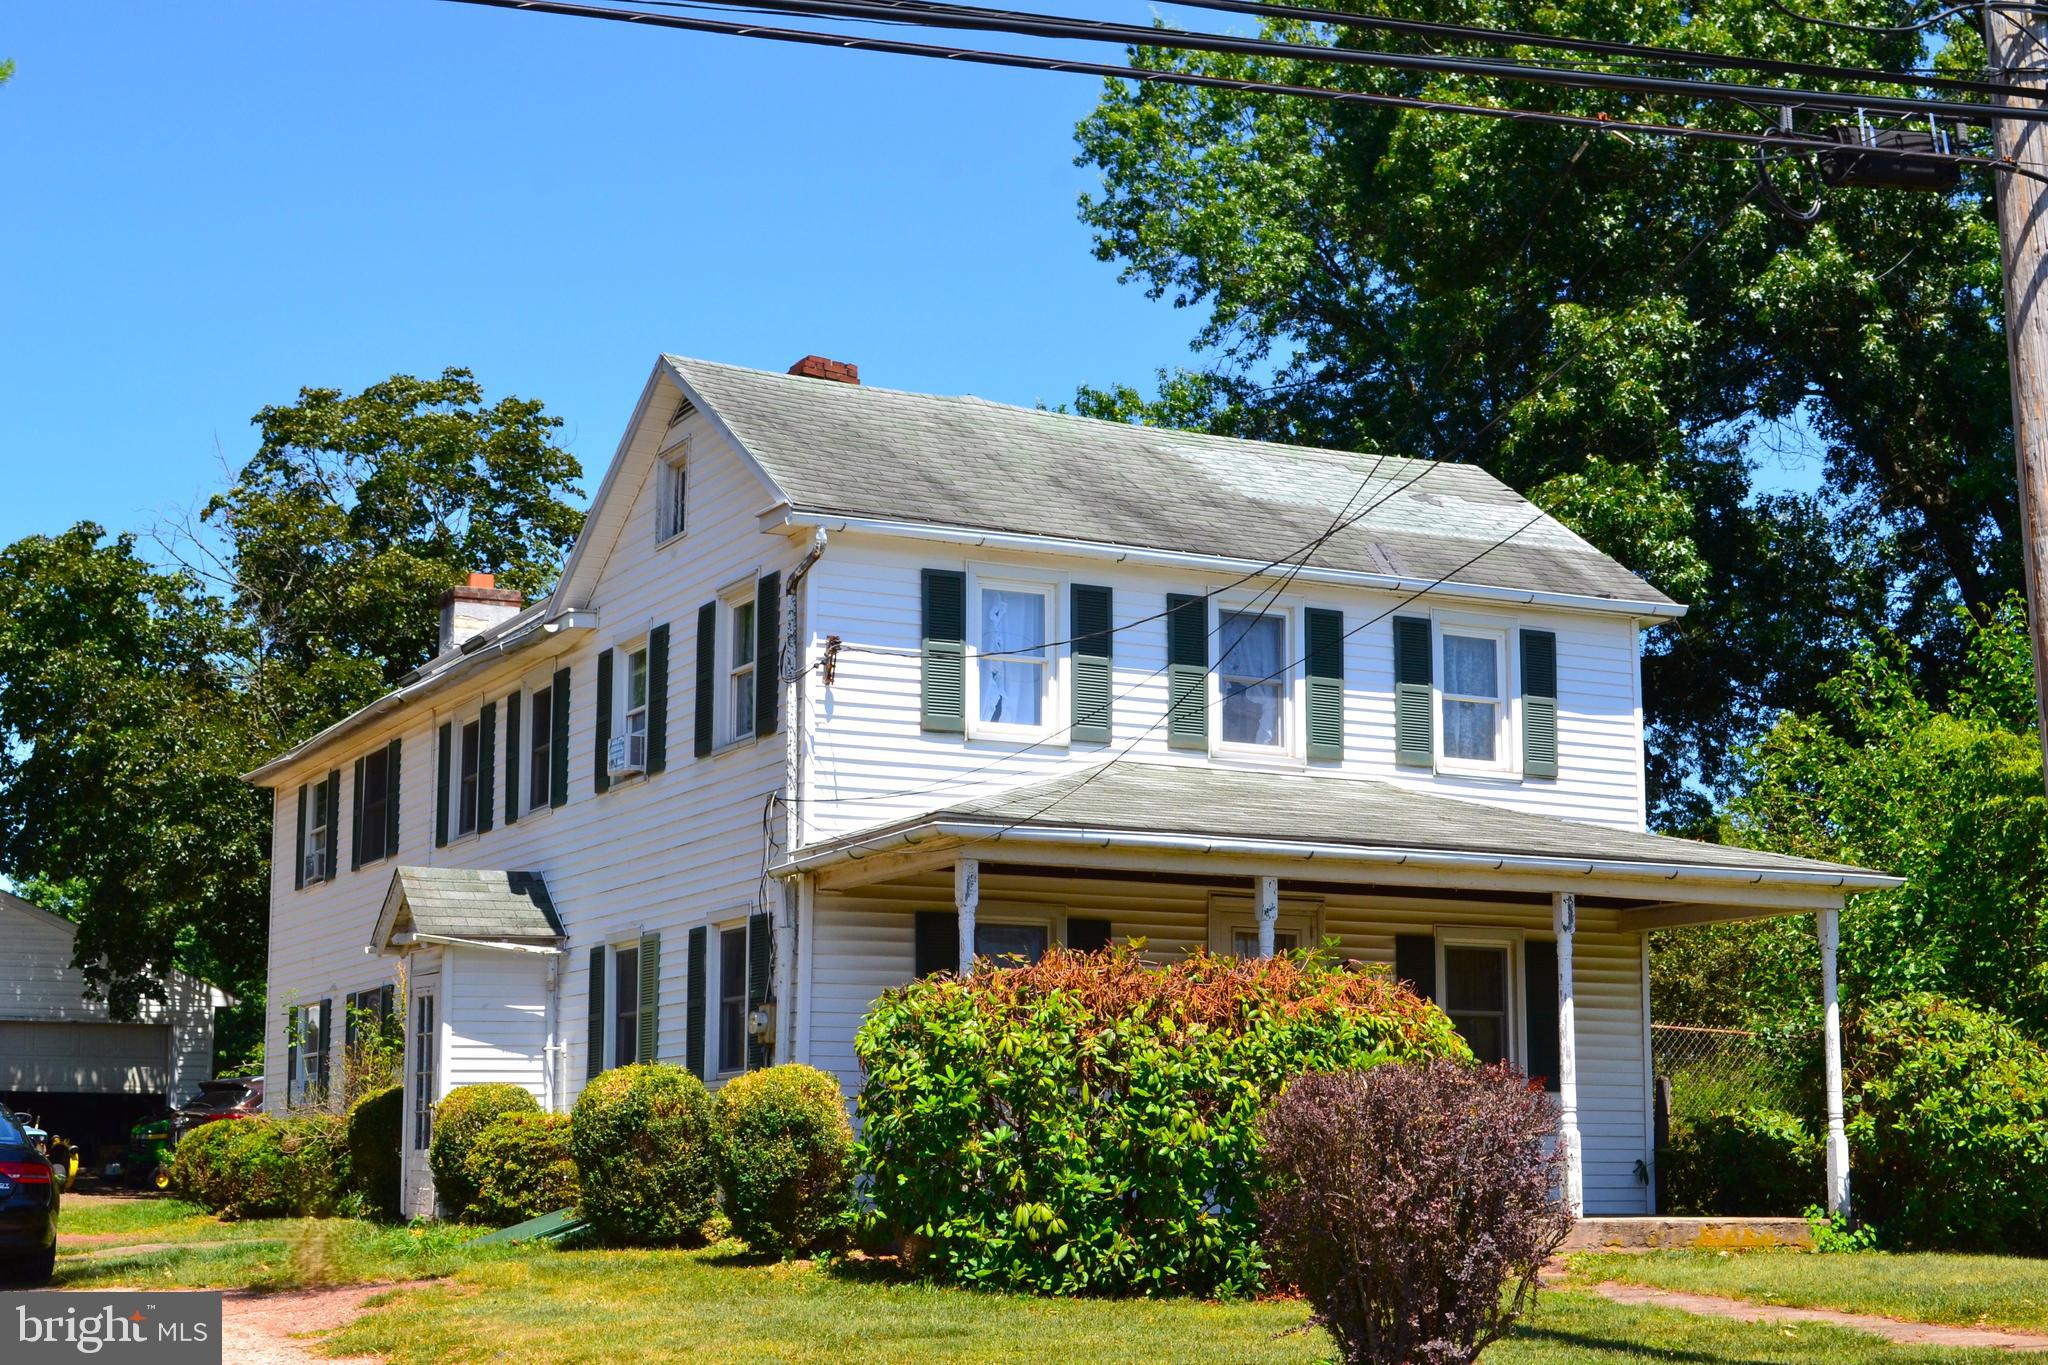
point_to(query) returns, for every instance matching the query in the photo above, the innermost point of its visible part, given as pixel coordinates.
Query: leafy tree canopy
(1611, 325)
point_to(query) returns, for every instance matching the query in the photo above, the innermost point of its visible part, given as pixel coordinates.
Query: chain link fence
(1718, 1070)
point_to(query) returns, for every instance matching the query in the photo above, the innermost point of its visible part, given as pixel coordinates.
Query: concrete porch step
(1688, 1234)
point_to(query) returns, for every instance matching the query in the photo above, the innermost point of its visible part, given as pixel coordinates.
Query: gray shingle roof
(859, 451)
(1223, 803)
(479, 903)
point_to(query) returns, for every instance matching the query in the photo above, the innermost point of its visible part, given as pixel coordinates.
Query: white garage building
(66, 1060)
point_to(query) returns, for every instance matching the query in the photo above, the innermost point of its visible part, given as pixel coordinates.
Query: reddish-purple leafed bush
(1402, 1200)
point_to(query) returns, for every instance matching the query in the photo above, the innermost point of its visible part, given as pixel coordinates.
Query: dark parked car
(29, 1191)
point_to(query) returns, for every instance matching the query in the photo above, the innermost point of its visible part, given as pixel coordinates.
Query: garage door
(93, 1059)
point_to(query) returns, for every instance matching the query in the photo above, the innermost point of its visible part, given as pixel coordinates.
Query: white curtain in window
(1013, 675)
(1471, 669)
(1253, 674)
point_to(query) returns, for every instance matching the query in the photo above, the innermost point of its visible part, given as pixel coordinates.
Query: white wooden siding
(865, 945)
(870, 761)
(496, 1017)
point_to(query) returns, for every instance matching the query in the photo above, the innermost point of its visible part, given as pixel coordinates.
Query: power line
(1032, 24)
(1917, 26)
(1112, 71)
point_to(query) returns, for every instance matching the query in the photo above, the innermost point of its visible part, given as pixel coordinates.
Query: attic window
(672, 494)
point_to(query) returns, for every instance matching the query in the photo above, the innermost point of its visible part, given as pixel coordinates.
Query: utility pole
(2013, 41)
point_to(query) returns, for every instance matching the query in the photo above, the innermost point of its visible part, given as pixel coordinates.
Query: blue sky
(211, 205)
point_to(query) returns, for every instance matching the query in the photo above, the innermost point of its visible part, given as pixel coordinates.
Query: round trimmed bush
(199, 1161)
(1949, 1127)
(463, 1113)
(376, 1130)
(521, 1168)
(646, 1154)
(1089, 1124)
(262, 1167)
(785, 1159)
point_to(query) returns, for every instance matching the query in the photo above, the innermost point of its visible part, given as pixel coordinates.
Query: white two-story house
(842, 685)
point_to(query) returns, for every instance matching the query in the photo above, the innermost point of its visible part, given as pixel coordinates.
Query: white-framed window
(625, 1004)
(1254, 680)
(307, 1041)
(731, 995)
(468, 767)
(1472, 710)
(317, 854)
(373, 833)
(1234, 925)
(740, 666)
(634, 711)
(672, 493)
(540, 747)
(1012, 678)
(1008, 935)
(1478, 984)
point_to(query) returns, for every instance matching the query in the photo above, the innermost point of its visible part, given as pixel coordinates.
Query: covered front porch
(1531, 932)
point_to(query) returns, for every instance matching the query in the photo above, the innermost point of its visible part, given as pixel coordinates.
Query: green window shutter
(1093, 650)
(447, 743)
(1415, 963)
(355, 821)
(760, 952)
(1414, 729)
(1539, 703)
(558, 742)
(391, 799)
(486, 765)
(693, 1004)
(593, 1054)
(1325, 631)
(1187, 671)
(650, 995)
(1539, 994)
(299, 847)
(600, 774)
(707, 674)
(767, 654)
(657, 698)
(943, 693)
(513, 754)
(938, 941)
(1087, 935)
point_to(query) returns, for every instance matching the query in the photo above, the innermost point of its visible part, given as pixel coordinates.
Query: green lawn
(2008, 1291)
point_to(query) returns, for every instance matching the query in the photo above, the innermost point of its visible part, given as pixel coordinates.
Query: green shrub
(1950, 1127)
(521, 1168)
(376, 1130)
(1751, 1161)
(785, 1159)
(646, 1154)
(263, 1167)
(199, 1162)
(463, 1113)
(1088, 1123)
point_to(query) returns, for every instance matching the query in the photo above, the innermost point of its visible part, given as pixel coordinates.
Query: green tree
(358, 510)
(123, 725)
(1536, 299)
(1947, 796)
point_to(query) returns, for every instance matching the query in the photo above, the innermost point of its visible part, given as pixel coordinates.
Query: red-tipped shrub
(1402, 1200)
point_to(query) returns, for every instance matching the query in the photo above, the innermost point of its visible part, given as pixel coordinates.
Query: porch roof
(1203, 809)
(482, 905)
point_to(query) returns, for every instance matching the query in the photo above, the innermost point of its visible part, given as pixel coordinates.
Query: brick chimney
(817, 367)
(475, 607)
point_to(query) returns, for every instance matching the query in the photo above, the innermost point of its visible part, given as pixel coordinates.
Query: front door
(422, 1089)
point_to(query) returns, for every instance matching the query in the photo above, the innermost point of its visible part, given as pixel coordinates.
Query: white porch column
(1564, 918)
(966, 896)
(1266, 909)
(1829, 925)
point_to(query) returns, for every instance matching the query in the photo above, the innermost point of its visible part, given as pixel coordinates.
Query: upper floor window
(1251, 675)
(1013, 678)
(636, 692)
(672, 494)
(540, 750)
(741, 671)
(1473, 696)
(379, 785)
(318, 851)
(466, 778)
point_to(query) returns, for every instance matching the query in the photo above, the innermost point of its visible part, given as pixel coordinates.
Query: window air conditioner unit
(627, 754)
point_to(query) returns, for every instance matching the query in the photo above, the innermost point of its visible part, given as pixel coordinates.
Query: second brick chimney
(818, 367)
(475, 607)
